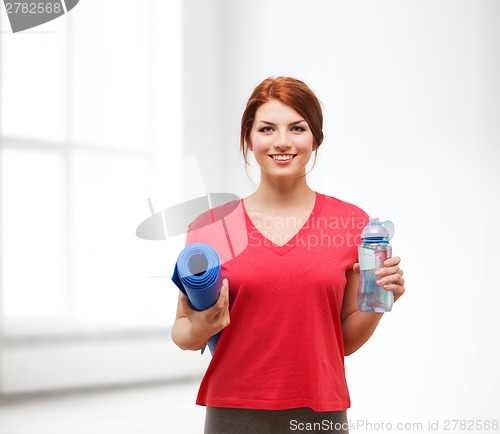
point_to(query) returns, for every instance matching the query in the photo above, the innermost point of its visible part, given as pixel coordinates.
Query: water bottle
(373, 251)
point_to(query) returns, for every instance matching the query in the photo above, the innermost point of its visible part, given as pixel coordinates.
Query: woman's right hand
(206, 323)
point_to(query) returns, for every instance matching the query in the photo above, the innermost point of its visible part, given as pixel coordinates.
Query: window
(89, 114)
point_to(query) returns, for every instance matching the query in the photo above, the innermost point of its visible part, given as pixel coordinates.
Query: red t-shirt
(284, 346)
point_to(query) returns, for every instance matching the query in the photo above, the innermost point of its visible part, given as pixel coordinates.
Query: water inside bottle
(372, 297)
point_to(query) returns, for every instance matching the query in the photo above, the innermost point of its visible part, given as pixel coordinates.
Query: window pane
(110, 264)
(111, 67)
(33, 234)
(116, 86)
(33, 85)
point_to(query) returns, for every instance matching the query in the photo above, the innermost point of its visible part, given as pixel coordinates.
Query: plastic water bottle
(373, 251)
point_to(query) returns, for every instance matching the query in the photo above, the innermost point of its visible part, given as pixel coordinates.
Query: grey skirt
(296, 420)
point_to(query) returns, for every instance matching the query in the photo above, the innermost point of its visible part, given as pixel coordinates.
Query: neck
(283, 192)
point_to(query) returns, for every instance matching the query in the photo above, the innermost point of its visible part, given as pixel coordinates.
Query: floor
(165, 409)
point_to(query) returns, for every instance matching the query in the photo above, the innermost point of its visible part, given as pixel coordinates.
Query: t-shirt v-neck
(256, 234)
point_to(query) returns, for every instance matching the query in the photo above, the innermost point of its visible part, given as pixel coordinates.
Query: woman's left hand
(391, 277)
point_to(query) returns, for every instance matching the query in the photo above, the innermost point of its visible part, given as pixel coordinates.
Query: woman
(291, 294)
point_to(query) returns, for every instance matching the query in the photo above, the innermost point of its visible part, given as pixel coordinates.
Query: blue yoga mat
(197, 274)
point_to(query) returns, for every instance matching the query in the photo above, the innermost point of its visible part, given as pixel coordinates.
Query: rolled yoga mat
(197, 274)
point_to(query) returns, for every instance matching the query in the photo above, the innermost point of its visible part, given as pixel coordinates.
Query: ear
(249, 145)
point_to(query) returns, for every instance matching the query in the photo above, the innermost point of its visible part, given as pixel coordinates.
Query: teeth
(282, 157)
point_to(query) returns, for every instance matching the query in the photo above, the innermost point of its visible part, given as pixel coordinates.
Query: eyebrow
(293, 123)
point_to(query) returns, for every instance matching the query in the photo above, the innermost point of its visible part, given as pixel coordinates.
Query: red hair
(288, 91)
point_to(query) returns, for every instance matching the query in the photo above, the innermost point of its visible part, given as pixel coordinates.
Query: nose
(282, 141)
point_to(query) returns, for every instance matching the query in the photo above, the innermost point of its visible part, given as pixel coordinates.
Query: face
(281, 140)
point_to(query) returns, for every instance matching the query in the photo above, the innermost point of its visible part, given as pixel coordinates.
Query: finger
(227, 319)
(392, 287)
(397, 289)
(223, 315)
(387, 271)
(393, 278)
(224, 284)
(395, 260)
(224, 293)
(213, 312)
(222, 318)
(355, 267)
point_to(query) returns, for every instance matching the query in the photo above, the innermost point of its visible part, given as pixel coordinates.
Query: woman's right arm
(192, 329)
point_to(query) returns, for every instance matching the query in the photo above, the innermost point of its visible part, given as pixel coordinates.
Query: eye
(266, 130)
(298, 129)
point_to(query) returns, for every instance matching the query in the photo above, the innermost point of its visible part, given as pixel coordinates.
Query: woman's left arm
(357, 327)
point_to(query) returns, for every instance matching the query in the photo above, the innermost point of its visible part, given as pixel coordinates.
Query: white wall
(411, 96)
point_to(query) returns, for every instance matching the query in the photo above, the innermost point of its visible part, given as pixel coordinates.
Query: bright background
(117, 102)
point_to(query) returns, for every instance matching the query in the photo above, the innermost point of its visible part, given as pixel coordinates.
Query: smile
(282, 157)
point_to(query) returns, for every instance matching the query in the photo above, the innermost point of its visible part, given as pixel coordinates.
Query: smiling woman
(287, 309)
